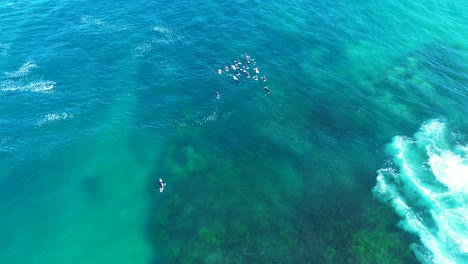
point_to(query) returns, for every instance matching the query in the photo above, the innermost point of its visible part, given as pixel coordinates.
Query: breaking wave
(428, 188)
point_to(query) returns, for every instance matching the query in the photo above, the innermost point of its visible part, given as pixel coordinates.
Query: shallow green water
(100, 100)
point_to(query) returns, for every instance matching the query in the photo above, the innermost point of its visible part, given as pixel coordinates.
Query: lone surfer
(161, 185)
(266, 89)
(217, 96)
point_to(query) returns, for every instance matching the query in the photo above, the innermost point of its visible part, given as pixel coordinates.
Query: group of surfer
(236, 66)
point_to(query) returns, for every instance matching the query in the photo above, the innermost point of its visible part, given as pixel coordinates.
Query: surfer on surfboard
(161, 185)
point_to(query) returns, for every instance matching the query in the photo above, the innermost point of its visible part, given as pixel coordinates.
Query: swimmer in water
(235, 79)
(219, 71)
(237, 73)
(217, 96)
(161, 185)
(247, 75)
(266, 89)
(226, 68)
(255, 77)
(264, 78)
(247, 58)
(256, 70)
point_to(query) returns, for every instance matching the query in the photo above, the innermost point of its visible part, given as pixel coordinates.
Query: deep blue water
(358, 155)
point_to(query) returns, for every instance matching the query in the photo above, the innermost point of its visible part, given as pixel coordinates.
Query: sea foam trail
(20, 80)
(23, 70)
(54, 117)
(428, 188)
(36, 86)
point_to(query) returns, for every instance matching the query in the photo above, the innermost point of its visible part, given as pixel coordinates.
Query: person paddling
(161, 185)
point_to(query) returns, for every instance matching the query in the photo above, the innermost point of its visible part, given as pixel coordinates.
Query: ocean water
(358, 155)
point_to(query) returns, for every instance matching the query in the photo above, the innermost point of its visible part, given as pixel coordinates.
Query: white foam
(213, 117)
(208, 119)
(50, 118)
(450, 169)
(166, 35)
(143, 48)
(161, 29)
(87, 19)
(432, 177)
(20, 80)
(4, 49)
(22, 71)
(37, 86)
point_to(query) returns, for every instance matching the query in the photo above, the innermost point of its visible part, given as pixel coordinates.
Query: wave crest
(429, 190)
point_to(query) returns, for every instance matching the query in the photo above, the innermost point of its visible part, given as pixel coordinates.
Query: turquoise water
(358, 155)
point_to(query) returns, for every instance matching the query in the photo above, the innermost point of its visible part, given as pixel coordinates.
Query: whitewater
(352, 149)
(428, 188)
